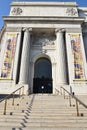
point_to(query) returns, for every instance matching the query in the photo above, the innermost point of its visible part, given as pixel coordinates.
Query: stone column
(24, 70)
(61, 58)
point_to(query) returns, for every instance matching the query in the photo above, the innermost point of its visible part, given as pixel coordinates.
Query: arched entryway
(42, 82)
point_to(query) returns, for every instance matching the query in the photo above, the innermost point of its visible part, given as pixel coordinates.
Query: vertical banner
(77, 57)
(7, 67)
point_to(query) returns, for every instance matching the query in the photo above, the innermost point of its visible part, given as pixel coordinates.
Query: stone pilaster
(61, 58)
(24, 71)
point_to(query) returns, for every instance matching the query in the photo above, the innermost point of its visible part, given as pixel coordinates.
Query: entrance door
(42, 82)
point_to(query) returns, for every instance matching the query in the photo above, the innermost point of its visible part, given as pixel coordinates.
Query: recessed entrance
(42, 82)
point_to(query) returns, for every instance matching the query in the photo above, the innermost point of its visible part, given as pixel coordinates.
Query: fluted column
(61, 58)
(24, 70)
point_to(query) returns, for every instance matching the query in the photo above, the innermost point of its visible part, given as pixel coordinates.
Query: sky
(5, 6)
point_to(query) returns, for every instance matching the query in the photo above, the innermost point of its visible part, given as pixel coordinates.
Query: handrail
(64, 95)
(58, 91)
(77, 100)
(71, 94)
(6, 97)
(11, 94)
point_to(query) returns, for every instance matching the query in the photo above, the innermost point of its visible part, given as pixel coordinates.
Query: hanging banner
(6, 72)
(77, 57)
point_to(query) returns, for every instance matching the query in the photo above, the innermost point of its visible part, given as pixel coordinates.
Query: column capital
(60, 30)
(27, 29)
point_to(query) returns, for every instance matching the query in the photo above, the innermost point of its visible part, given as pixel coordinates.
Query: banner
(77, 57)
(6, 72)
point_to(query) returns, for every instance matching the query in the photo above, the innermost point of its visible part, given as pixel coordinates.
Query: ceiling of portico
(43, 37)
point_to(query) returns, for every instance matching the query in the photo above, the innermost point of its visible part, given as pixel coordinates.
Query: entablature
(44, 19)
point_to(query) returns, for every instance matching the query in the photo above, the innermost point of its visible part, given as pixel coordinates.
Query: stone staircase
(42, 112)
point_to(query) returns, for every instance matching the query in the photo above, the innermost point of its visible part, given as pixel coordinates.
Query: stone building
(43, 45)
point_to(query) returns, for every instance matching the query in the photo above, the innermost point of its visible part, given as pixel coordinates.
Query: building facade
(43, 46)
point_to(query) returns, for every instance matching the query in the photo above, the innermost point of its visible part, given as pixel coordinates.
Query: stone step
(45, 124)
(41, 120)
(45, 112)
(56, 113)
(52, 115)
(11, 116)
(11, 124)
(28, 118)
(46, 128)
(58, 124)
(41, 128)
(59, 118)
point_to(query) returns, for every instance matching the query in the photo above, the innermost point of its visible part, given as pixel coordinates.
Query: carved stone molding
(17, 11)
(71, 12)
(44, 51)
(27, 29)
(61, 30)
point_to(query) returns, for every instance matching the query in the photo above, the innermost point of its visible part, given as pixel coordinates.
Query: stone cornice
(70, 4)
(43, 19)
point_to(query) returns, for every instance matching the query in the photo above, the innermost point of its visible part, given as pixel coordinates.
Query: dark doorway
(42, 82)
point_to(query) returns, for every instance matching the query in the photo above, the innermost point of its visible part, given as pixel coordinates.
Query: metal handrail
(76, 99)
(13, 93)
(63, 94)
(58, 91)
(71, 94)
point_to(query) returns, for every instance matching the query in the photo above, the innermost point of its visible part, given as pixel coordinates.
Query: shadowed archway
(42, 82)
